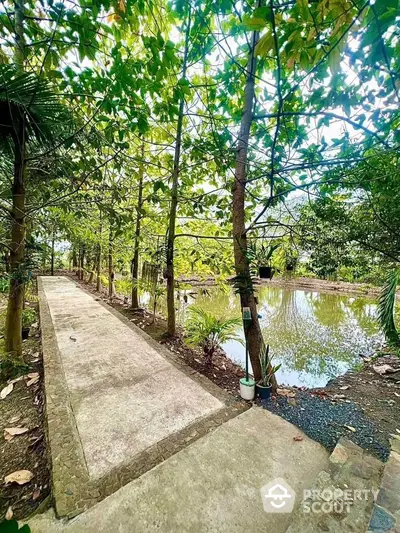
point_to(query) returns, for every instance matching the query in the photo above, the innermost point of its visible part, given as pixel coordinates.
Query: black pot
(264, 393)
(25, 333)
(265, 272)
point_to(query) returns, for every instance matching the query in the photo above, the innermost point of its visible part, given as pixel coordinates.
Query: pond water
(315, 335)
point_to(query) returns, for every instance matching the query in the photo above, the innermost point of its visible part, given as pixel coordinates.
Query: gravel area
(326, 421)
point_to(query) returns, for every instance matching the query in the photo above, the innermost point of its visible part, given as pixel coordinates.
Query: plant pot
(25, 333)
(264, 393)
(265, 272)
(247, 389)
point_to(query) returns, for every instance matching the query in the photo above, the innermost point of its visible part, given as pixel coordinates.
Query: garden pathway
(139, 442)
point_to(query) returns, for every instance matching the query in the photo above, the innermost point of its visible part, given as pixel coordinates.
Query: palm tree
(386, 306)
(210, 332)
(32, 115)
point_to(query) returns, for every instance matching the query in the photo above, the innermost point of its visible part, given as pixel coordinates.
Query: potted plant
(28, 317)
(260, 256)
(291, 264)
(263, 387)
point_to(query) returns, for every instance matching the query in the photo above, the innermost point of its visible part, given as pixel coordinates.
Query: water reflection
(316, 336)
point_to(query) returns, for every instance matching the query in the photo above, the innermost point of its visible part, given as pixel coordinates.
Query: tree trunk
(174, 200)
(242, 267)
(82, 264)
(13, 331)
(74, 260)
(110, 268)
(92, 272)
(52, 255)
(135, 260)
(13, 327)
(98, 268)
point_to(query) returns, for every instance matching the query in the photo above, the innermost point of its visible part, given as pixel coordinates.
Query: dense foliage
(182, 133)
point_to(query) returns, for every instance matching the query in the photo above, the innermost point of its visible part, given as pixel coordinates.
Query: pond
(315, 335)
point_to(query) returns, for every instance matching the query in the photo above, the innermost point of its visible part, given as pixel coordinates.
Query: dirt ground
(377, 395)
(23, 408)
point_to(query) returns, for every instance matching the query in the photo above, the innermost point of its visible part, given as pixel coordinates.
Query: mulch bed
(23, 407)
(363, 406)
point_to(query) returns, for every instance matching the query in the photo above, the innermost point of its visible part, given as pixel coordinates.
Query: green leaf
(143, 125)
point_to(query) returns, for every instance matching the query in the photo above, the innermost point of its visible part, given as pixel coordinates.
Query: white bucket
(247, 389)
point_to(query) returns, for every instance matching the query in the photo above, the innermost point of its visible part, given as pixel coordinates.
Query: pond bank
(363, 406)
(291, 282)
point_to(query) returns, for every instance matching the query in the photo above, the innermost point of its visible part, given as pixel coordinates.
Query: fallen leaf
(6, 391)
(32, 381)
(20, 476)
(17, 379)
(350, 428)
(36, 494)
(9, 513)
(298, 438)
(345, 387)
(33, 375)
(73, 339)
(286, 392)
(15, 419)
(384, 369)
(16, 431)
(339, 397)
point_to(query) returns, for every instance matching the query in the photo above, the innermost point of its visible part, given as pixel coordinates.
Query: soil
(222, 371)
(24, 408)
(363, 406)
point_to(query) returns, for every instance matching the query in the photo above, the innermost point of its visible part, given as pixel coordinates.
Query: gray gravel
(325, 422)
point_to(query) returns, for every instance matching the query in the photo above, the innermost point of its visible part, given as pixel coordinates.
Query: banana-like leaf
(386, 306)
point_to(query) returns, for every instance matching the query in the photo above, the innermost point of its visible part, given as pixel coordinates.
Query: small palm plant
(209, 331)
(386, 307)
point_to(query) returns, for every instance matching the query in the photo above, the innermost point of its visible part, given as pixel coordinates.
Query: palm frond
(386, 306)
(209, 331)
(25, 96)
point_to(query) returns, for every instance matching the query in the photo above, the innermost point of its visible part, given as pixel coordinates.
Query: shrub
(28, 317)
(210, 332)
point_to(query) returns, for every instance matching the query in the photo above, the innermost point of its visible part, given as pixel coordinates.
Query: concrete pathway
(124, 396)
(212, 486)
(140, 443)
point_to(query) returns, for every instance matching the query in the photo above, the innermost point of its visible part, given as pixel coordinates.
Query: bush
(28, 317)
(4, 285)
(210, 332)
